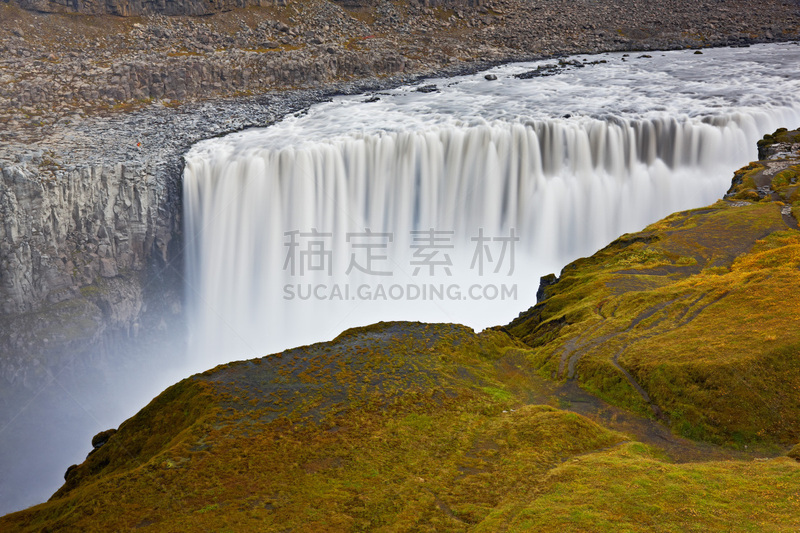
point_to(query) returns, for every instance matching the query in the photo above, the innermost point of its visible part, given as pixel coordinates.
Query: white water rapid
(298, 231)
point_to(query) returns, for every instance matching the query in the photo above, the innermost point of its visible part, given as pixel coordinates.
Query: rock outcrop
(98, 109)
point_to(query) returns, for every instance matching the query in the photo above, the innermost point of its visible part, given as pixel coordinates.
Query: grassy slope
(413, 427)
(698, 310)
(395, 427)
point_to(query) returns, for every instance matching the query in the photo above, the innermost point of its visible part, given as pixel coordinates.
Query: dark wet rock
(542, 70)
(102, 438)
(545, 282)
(69, 471)
(428, 89)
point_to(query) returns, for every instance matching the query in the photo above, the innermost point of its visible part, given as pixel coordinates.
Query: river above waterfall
(447, 200)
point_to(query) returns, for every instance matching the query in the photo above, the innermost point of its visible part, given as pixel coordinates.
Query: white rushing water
(520, 176)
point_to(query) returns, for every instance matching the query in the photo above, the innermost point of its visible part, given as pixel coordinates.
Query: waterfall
(277, 245)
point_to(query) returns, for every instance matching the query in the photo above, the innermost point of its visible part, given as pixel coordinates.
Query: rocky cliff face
(64, 230)
(81, 239)
(97, 111)
(75, 246)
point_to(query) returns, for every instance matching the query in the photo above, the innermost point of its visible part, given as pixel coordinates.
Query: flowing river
(446, 201)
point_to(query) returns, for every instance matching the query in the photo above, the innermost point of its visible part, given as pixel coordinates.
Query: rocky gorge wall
(75, 248)
(88, 223)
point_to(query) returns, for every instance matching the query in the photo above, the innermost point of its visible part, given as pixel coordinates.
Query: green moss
(498, 394)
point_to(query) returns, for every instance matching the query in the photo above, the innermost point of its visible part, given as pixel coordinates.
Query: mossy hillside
(432, 433)
(401, 425)
(691, 319)
(143, 436)
(36, 344)
(627, 489)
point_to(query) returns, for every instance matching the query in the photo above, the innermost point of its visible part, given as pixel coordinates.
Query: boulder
(102, 438)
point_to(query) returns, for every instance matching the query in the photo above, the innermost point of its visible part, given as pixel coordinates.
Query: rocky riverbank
(57, 69)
